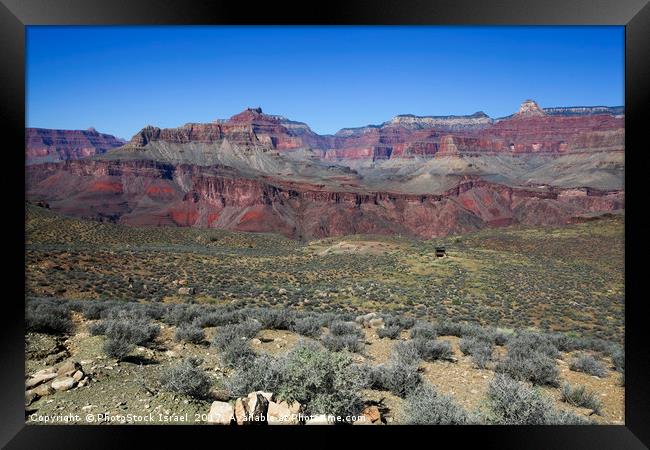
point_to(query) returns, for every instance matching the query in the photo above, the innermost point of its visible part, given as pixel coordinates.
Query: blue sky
(119, 79)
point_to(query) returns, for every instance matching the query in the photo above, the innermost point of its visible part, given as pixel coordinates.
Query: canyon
(423, 176)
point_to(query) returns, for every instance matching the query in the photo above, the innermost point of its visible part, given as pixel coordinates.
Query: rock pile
(263, 408)
(49, 380)
(257, 408)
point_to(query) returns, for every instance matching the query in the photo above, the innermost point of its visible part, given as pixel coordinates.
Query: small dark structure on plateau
(440, 252)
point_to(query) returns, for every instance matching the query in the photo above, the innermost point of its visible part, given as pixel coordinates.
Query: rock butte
(43, 145)
(420, 176)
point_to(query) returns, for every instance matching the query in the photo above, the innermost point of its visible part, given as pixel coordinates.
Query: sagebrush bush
(124, 332)
(500, 338)
(237, 353)
(187, 378)
(512, 402)
(47, 316)
(446, 328)
(337, 343)
(534, 367)
(219, 318)
(182, 314)
(261, 373)
(342, 328)
(391, 332)
(97, 328)
(479, 350)
(189, 333)
(400, 374)
(236, 332)
(275, 319)
(425, 406)
(586, 363)
(307, 326)
(432, 349)
(579, 396)
(526, 342)
(92, 310)
(403, 322)
(423, 330)
(325, 382)
(618, 359)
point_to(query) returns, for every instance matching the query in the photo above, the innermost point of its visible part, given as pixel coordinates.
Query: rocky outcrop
(156, 194)
(423, 176)
(531, 130)
(45, 145)
(50, 380)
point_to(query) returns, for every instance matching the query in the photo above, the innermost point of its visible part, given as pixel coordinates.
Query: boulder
(293, 407)
(39, 379)
(258, 406)
(44, 371)
(43, 390)
(241, 411)
(221, 413)
(63, 383)
(68, 368)
(253, 409)
(78, 375)
(30, 396)
(371, 414)
(370, 320)
(186, 291)
(281, 414)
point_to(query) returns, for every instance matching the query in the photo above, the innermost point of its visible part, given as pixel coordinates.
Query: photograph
(325, 225)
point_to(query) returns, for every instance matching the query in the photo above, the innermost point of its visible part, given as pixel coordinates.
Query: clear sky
(119, 79)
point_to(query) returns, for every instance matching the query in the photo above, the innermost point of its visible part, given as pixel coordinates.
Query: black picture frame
(633, 14)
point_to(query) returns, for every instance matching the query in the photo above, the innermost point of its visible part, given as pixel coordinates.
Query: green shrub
(261, 373)
(190, 333)
(275, 319)
(124, 332)
(323, 381)
(579, 396)
(47, 316)
(479, 350)
(400, 374)
(307, 326)
(446, 328)
(512, 402)
(237, 354)
(187, 378)
(423, 330)
(337, 343)
(534, 367)
(425, 406)
(391, 332)
(432, 349)
(236, 332)
(587, 364)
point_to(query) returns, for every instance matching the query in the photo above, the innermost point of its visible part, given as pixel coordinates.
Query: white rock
(221, 413)
(280, 414)
(39, 379)
(63, 383)
(78, 375)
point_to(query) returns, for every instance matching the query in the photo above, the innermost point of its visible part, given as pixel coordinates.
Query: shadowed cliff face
(420, 176)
